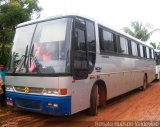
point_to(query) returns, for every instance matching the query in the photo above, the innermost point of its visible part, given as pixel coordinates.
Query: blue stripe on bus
(39, 103)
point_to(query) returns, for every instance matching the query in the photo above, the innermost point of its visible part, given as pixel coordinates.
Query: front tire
(94, 100)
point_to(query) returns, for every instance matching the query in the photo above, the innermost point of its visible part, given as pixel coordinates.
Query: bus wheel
(144, 83)
(102, 96)
(94, 100)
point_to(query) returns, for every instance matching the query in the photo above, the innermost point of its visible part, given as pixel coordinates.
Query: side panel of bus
(124, 74)
(120, 74)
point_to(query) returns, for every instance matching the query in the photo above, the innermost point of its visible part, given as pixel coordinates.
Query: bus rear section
(157, 59)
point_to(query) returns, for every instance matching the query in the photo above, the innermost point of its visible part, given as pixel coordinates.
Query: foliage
(7, 108)
(5, 53)
(153, 44)
(13, 12)
(140, 31)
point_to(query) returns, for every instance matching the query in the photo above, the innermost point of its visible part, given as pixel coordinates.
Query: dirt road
(133, 106)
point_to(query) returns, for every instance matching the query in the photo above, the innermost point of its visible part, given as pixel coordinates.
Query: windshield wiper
(21, 62)
(37, 64)
(33, 57)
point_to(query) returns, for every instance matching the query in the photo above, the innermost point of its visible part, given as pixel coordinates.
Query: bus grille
(31, 89)
(26, 103)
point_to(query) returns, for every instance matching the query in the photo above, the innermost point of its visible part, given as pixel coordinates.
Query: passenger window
(141, 51)
(134, 48)
(152, 54)
(144, 52)
(129, 47)
(107, 40)
(138, 49)
(124, 45)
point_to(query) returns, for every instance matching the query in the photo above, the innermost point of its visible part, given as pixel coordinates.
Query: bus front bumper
(54, 105)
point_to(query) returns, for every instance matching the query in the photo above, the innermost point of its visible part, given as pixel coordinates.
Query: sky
(115, 13)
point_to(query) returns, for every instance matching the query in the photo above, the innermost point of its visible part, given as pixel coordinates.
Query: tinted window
(134, 48)
(152, 54)
(138, 49)
(124, 45)
(141, 51)
(107, 40)
(91, 40)
(144, 51)
(157, 58)
(80, 55)
(129, 47)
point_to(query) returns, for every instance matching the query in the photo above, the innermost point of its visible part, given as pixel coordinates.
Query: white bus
(63, 65)
(157, 58)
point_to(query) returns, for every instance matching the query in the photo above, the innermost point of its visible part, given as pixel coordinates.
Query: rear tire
(144, 83)
(158, 77)
(94, 100)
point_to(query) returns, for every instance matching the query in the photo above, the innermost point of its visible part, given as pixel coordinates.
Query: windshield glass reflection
(49, 50)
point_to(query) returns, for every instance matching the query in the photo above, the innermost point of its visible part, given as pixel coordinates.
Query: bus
(65, 64)
(157, 59)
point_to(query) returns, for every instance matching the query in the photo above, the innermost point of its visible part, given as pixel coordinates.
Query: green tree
(139, 31)
(13, 12)
(154, 45)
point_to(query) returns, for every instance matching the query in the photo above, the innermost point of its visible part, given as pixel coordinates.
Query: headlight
(55, 91)
(9, 88)
(51, 91)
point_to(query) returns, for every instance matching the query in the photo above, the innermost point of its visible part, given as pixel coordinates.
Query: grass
(7, 108)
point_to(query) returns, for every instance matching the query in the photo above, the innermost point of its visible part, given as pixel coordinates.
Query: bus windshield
(42, 47)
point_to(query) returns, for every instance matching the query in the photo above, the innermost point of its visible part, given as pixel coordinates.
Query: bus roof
(76, 15)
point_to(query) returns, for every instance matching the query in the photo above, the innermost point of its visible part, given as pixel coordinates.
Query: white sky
(115, 13)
